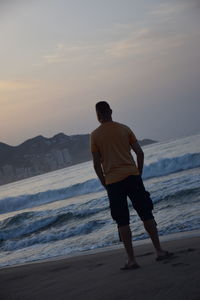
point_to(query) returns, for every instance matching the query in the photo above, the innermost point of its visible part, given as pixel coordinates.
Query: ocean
(66, 212)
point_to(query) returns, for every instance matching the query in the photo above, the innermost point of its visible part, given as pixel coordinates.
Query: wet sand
(97, 276)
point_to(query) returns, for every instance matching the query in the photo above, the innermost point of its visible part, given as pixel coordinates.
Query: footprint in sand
(96, 266)
(179, 264)
(145, 254)
(186, 250)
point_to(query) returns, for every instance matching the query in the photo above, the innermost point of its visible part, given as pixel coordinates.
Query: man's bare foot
(163, 254)
(130, 264)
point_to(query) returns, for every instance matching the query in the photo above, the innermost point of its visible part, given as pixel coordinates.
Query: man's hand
(140, 156)
(98, 167)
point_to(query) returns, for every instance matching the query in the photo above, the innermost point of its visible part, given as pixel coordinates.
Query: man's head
(104, 112)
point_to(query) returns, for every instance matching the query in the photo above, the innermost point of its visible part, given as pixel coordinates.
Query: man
(111, 145)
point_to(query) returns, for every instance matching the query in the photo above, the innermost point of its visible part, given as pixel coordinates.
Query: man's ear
(99, 117)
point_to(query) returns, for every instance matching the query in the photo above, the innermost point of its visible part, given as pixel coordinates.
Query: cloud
(16, 85)
(145, 41)
(60, 46)
(168, 9)
(52, 59)
(128, 44)
(191, 4)
(127, 40)
(173, 8)
(133, 42)
(66, 53)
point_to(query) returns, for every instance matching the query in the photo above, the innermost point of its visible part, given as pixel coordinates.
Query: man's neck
(106, 120)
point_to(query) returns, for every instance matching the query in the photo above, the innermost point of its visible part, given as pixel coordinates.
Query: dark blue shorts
(131, 187)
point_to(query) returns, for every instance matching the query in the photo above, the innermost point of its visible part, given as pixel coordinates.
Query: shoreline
(98, 275)
(119, 246)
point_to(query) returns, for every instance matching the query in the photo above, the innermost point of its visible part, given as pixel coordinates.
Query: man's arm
(98, 167)
(140, 156)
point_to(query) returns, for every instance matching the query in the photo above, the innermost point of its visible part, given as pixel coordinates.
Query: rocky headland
(40, 155)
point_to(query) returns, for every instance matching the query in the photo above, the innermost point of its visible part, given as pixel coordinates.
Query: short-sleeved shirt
(113, 142)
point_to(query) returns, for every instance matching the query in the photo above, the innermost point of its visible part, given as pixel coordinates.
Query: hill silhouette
(39, 155)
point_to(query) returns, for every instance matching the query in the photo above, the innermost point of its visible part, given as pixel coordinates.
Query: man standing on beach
(111, 145)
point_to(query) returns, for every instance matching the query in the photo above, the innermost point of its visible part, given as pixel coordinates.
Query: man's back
(113, 141)
(111, 145)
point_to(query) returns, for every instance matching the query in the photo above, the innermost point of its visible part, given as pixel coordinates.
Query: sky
(59, 57)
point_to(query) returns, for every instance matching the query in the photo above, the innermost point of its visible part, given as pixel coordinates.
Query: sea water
(66, 212)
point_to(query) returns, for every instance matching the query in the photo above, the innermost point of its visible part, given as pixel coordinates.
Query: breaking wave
(28, 201)
(162, 167)
(51, 235)
(166, 166)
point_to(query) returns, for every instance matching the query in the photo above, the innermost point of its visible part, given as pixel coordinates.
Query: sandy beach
(98, 275)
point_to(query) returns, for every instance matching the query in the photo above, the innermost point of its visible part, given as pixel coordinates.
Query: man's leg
(126, 237)
(151, 228)
(120, 213)
(143, 204)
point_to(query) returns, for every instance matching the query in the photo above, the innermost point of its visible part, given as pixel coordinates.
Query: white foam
(162, 167)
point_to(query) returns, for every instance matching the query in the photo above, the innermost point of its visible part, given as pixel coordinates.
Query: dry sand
(98, 276)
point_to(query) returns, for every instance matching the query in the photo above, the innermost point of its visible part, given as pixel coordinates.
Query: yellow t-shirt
(113, 141)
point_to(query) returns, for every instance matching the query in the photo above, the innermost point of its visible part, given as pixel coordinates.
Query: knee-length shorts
(131, 187)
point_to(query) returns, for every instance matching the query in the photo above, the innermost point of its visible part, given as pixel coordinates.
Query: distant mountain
(40, 155)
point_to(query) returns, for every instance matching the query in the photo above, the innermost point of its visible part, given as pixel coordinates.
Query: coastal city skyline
(58, 58)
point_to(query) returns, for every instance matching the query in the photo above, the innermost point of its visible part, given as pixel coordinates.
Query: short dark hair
(103, 107)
